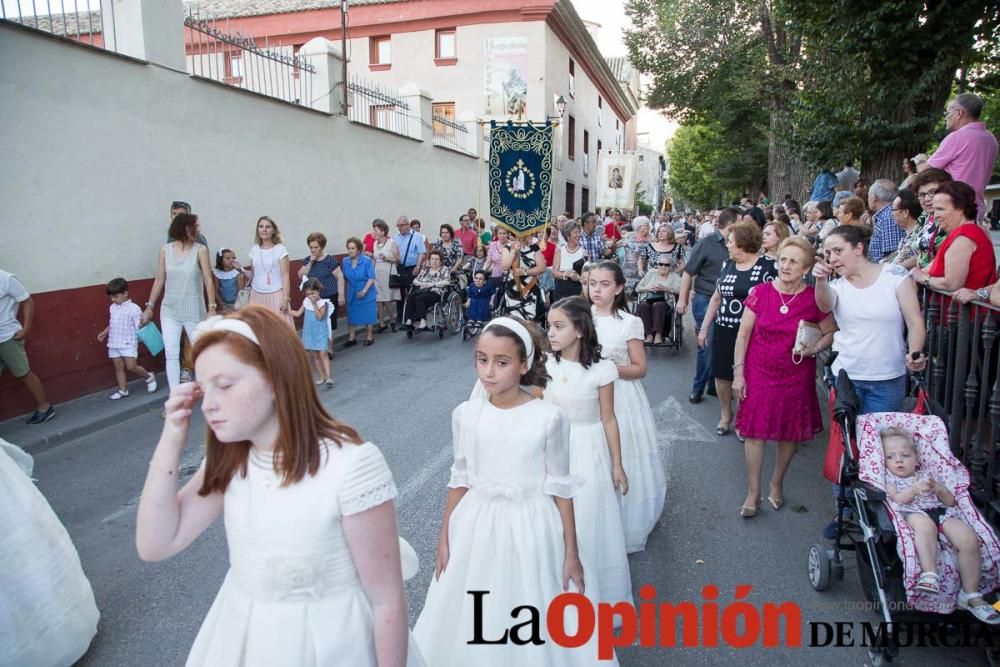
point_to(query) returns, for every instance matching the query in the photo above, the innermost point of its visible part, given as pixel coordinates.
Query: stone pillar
(328, 60)
(419, 122)
(474, 135)
(150, 30)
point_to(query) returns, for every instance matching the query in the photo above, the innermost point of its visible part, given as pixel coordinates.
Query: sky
(611, 15)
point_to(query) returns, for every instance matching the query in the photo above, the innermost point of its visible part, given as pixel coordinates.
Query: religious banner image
(616, 174)
(506, 76)
(520, 176)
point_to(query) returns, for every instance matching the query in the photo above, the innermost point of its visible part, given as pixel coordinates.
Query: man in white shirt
(12, 335)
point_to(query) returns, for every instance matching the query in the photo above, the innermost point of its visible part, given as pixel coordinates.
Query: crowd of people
(567, 315)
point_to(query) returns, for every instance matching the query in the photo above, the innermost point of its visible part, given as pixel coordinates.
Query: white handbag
(807, 335)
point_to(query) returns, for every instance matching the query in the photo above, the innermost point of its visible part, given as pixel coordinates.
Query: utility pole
(343, 54)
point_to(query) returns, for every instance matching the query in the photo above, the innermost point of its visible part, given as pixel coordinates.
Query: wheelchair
(673, 327)
(445, 315)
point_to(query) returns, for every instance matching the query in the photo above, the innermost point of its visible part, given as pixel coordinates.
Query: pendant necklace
(267, 267)
(784, 305)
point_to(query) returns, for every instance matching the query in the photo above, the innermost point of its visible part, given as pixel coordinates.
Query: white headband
(520, 330)
(220, 323)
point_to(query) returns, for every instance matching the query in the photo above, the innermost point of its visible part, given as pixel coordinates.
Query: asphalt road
(400, 394)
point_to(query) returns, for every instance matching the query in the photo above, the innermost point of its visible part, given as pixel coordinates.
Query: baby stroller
(868, 525)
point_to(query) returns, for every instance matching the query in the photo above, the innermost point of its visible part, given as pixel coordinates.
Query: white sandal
(978, 607)
(118, 395)
(928, 582)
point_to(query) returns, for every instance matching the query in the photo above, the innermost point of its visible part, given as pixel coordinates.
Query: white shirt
(870, 341)
(706, 230)
(12, 293)
(267, 268)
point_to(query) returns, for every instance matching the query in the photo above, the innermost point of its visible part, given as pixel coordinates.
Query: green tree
(698, 166)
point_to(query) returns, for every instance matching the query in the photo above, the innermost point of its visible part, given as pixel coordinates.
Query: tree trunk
(786, 172)
(889, 164)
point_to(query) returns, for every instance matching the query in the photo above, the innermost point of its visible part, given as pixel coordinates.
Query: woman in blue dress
(359, 292)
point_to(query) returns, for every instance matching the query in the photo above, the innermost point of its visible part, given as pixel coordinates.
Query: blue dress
(479, 303)
(360, 312)
(315, 333)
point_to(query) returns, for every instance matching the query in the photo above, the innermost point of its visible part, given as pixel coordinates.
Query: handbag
(150, 336)
(242, 299)
(807, 335)
(398, 280)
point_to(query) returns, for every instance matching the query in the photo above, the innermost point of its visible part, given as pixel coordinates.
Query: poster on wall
(506, 72)
(616, 173)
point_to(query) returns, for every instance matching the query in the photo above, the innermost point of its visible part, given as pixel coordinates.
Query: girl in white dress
(47, 611)
(583, 387)
(315, 574)
(621, 336)
(508, 526)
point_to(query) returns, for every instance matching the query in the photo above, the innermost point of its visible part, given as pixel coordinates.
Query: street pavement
(400, 394)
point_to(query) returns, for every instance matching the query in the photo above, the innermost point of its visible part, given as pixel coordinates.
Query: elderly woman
(359, 292)
(324, 268)
(452, 253)
(851, 211)
(966, 258)
(385, 253)
(429, 286)
(777, 393)
(906, 212)
(183, 276)
(664, 247)
(567, 262)
(744, 270)
(772, 235)
(633, 245)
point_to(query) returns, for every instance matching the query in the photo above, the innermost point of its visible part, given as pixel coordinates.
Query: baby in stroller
(909, 457)
(478, 305)
(929, 507)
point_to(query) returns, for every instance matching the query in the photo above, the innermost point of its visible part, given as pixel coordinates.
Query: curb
(37, 439)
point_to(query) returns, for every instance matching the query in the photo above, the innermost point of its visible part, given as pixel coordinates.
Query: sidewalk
(83, 416)
(89, 414)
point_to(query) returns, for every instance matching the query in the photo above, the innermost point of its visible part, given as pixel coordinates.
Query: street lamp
(561, 106)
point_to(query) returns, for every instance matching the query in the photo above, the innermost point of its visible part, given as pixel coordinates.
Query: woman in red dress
(777, 391)
(965, 258)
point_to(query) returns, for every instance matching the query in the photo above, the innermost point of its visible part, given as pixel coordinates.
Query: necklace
(784, 304)
(267, 265)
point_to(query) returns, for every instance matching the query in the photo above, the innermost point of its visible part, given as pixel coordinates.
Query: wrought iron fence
(449, 134)
(69, 19)
(237, 60)
(377, 106)
(962, 375)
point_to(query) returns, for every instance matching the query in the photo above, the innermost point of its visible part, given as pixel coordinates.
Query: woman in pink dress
(776, 390)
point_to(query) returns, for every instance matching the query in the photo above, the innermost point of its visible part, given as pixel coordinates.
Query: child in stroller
(477, 305)
(928, 506)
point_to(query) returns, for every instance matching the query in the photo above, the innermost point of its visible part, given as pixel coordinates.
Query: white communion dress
(643, 505)
(505, 537)
(48, 615)
(599, 531)
(292, 595)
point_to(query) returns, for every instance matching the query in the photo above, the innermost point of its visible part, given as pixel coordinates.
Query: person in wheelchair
(655, 309)
(429, 287)
(480, 295)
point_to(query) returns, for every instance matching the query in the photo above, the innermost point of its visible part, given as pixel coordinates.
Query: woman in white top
(871, 302)
(564, 260)
(183, 272)
(268, 268)
(315, 576)
(386, 255)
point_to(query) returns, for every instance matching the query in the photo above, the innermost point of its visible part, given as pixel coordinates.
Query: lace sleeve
(459, 467)
(367, 482)
(634, 328)
(558, 480)
(606, 371)
(753, 298)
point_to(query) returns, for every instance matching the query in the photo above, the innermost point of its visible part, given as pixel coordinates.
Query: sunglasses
(667, 265)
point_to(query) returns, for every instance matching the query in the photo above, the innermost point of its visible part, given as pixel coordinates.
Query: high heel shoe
(749, 512)
(776, 503)
(722, 429)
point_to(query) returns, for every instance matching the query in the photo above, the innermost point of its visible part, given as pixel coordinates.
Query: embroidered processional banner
(520, 176)
(616, 173)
